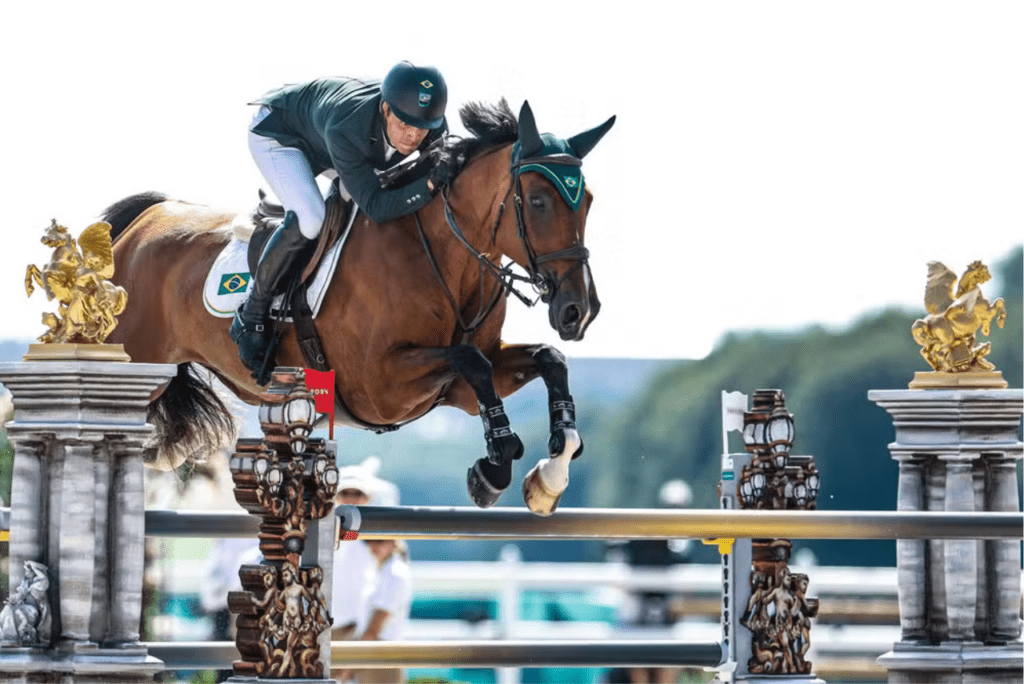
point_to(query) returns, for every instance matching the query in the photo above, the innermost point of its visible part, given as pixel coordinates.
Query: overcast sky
(774, 164)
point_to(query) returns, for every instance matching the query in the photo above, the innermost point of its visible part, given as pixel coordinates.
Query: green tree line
(673, 428)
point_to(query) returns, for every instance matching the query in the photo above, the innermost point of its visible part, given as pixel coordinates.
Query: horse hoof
(482, 492)
(540, 499)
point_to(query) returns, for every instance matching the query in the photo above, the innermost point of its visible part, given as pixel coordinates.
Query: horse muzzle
(573, 307)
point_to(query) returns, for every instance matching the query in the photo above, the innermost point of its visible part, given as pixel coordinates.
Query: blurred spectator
(387, 610)
(372, 585)
(227, 556)
(653, 608)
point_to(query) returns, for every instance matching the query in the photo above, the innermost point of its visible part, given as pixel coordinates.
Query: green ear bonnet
(567, 177)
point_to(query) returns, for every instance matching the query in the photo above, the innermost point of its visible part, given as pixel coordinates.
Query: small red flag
(321, 386)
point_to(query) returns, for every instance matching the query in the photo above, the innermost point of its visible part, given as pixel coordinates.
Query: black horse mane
(490, 126)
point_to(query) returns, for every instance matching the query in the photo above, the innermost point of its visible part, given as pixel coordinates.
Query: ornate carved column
(286, 479)
(774, 611)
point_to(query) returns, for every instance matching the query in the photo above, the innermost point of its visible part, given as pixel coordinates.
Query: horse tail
(121, 213)
(191, 420)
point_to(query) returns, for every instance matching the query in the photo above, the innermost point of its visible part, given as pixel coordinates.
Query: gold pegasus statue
(78, 278)
(947, 334)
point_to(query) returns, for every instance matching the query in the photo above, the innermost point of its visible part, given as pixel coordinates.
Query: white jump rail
(461, 523)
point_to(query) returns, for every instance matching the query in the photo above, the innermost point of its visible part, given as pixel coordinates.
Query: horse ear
(582, 143)
(529, 139)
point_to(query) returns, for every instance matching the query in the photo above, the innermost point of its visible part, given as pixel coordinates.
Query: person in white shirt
(354, 565)
(372, 582)
(387, 607)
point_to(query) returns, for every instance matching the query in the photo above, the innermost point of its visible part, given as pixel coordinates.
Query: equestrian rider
(351, 128)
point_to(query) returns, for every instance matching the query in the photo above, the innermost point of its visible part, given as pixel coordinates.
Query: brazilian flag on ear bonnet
(568, 178)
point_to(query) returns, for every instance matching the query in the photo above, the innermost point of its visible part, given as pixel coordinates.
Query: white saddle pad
(228, 282)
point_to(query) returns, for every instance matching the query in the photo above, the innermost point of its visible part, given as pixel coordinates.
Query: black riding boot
(281, 258)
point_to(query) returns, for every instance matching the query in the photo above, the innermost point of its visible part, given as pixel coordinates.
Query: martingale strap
(487, 304)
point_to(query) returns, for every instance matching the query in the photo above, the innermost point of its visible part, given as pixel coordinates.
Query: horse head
(56, 235)
(551, 204)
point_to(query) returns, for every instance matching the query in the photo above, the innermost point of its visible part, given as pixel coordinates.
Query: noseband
(503, 275)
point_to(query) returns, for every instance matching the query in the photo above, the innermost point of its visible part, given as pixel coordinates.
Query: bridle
(504, 276)
(580, 254)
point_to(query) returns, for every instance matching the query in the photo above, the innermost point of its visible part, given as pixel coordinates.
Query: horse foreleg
(546, 482)
(985, 313)
(489, 476)
(32, 274)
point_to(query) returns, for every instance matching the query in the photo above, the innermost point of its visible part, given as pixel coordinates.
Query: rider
(351, 128)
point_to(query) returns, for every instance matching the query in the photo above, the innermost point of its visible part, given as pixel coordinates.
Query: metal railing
(467, 523)
(428, 522)
(486, 654)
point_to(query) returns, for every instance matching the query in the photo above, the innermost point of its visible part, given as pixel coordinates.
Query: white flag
(734, 405)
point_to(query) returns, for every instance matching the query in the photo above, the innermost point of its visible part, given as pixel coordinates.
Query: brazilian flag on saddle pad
(230, 283)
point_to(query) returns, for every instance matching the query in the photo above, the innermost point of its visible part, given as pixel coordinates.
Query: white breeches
(290, 177)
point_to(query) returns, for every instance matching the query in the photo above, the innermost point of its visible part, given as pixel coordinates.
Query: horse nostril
(571, 315)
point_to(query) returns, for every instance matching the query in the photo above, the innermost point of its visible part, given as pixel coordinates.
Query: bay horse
(413, 317)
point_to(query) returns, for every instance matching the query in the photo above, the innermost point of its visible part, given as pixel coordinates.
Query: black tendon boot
(282, 257)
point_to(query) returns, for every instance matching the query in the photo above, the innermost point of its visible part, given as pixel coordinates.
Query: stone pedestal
(959, 599)
(78, 508)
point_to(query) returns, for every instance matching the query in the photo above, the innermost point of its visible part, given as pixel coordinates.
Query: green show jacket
(337, 123)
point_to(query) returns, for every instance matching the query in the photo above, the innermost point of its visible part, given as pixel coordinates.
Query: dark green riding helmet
(417, 95)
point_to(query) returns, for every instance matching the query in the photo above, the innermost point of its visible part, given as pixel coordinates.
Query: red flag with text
(321, 386)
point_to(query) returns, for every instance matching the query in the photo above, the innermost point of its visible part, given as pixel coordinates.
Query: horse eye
(537, 201)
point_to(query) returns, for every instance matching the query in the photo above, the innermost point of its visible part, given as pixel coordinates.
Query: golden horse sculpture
(947, 334)
(78, 278)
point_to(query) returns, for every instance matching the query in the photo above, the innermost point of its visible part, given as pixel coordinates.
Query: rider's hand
(439, 175)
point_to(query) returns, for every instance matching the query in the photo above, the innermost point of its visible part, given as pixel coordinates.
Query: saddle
(268, 215)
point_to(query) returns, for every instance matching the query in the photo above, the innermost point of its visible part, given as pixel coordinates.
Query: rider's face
(404, 137)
